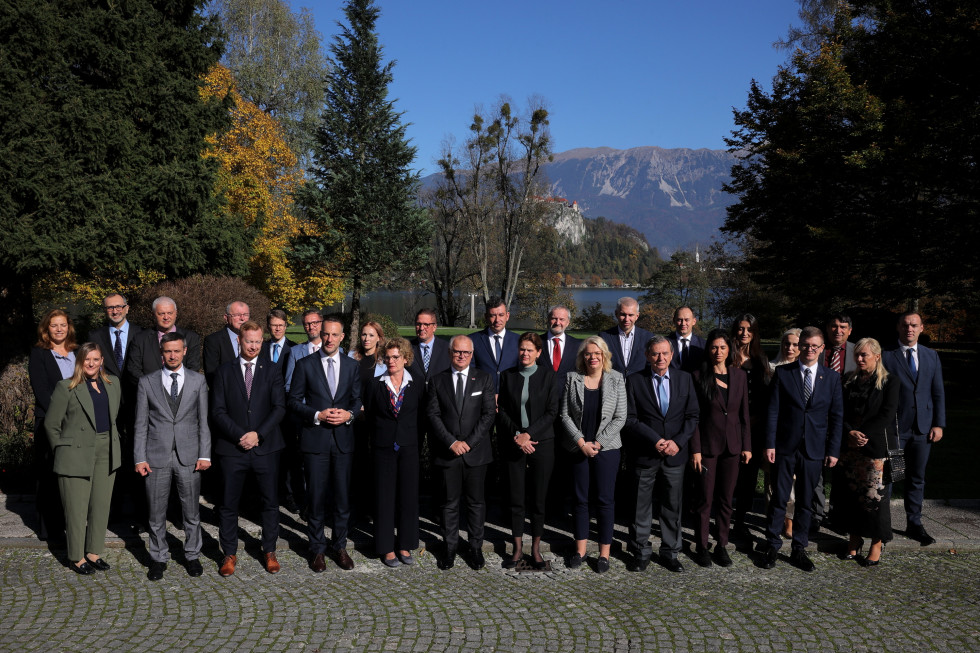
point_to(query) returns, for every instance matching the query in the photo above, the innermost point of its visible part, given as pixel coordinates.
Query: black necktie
(684, 352)
(117, 350)
(460, 384)
(173, 386)
(497, 347)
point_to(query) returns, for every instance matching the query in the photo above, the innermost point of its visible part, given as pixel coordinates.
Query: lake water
(402, 305)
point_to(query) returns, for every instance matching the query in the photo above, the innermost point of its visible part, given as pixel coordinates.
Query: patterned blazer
(612, 410)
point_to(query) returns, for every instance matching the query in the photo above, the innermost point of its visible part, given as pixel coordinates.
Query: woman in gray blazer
(593, 411)
(81, 428)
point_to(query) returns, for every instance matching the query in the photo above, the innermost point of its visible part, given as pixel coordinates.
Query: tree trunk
(355, 312)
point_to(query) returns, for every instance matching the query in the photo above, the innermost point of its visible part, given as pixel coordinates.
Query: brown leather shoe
(318, 564)
(228, 566)
(344, 561)
(271, 564)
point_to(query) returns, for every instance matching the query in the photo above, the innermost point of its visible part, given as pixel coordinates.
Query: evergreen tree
(362, 190)
(101, 134)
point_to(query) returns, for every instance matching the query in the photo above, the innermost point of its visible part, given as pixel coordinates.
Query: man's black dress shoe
(156, 570)
(722, 557)
(799, 559)
(702, 557)
(641, 564)
(673, 564)
(448, 560)
(194, 568)
(917, 532)
(99, 564)
(479, 562)
(85, 569)
(769, 557)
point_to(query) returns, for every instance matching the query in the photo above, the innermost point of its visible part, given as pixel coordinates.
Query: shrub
(594, 319)
(201, 302)
(16, 415)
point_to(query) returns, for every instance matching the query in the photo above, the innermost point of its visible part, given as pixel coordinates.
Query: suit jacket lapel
(82, 392)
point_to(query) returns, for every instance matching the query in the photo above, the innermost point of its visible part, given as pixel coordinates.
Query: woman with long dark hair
(749, 357)
(721, 440)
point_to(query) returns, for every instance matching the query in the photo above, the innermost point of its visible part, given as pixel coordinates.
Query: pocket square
(478, 392)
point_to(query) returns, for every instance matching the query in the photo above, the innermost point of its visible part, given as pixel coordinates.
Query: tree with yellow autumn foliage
(258, 175)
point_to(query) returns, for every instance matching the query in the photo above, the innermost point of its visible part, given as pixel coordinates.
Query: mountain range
(671, 196)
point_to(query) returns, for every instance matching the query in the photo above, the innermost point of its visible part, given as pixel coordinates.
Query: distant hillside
(671, 196)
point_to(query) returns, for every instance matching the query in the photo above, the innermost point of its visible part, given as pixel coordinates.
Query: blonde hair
(601, 344)
(78, 377)
(879, 372)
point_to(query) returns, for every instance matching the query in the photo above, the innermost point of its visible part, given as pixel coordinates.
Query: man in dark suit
(495, 348)
(247, 404)
(838, 356)
(277, 351)
(115, 338)
(626, 341)
(431, 353)
(172, 440)
(461, 410)
(921, 414)
(560, 349)
(688, 346)
(806, 411)
(145, 355)
(661, 415)
(222, 346)
(325, 393)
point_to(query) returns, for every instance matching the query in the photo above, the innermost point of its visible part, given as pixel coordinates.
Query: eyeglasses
(425, 324)
(240, 315)
(312, 324)
(810, 347)
(462, 354)
(117, 307)
(389, 359)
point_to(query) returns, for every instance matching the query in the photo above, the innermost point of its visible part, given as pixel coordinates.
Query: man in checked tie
(325, 394)
(921, 414)
(806, 415)
(171, 440)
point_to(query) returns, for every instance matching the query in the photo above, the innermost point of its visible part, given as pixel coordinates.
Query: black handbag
(895, 463)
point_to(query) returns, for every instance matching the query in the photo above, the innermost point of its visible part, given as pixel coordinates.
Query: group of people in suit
(682, 411)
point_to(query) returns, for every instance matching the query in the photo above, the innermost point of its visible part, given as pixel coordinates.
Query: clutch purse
(895, 462)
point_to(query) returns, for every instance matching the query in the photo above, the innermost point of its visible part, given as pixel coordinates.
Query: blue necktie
(912, 368)
(661, 393)
(275, 353)
(425, 357)
(117, 350)
(807, 385)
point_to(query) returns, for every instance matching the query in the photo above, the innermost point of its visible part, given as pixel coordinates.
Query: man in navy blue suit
(661, 415)
(806, 415)
(495, 348)
(560, 349)
(626, 341)
(325, 393)
(247, 403)
(921, 414)
(688, 346)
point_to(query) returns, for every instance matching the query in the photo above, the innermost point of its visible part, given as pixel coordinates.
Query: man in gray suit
(171, 439)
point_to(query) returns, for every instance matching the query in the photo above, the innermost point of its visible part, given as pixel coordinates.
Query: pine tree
(362, 189)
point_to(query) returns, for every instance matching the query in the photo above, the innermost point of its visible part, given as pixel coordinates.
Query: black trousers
(396, 480)
(528, 476)
(234, 471)
(458, 481)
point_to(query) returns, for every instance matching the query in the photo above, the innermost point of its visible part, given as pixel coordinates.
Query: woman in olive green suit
(81, 427)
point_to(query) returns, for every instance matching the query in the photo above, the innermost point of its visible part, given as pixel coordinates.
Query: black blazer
(309, 394)
(542, 405)
(217, 351)
(878, 418)
(438, 360)
(233, 413)
(385, 428)
(472, 425)
(104, 338)
(144, 357)
(45, 375)
(723, 427)
(646, 425)
(695, 352)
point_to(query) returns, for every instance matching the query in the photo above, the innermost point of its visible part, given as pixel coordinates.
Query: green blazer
(70, 425)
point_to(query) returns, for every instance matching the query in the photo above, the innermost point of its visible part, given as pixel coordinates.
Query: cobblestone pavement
(914, 601)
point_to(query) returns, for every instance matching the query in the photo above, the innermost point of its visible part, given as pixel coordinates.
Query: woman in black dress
(527, 407)
(870, 407)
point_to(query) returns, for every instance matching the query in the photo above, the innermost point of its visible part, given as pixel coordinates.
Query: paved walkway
(918, 599)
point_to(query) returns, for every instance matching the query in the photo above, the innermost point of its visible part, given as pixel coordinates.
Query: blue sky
(616, 73)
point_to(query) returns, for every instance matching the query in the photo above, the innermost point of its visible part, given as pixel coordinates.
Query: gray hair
(656, 339)
(559, 307)
(627, 301)
(162, 300)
